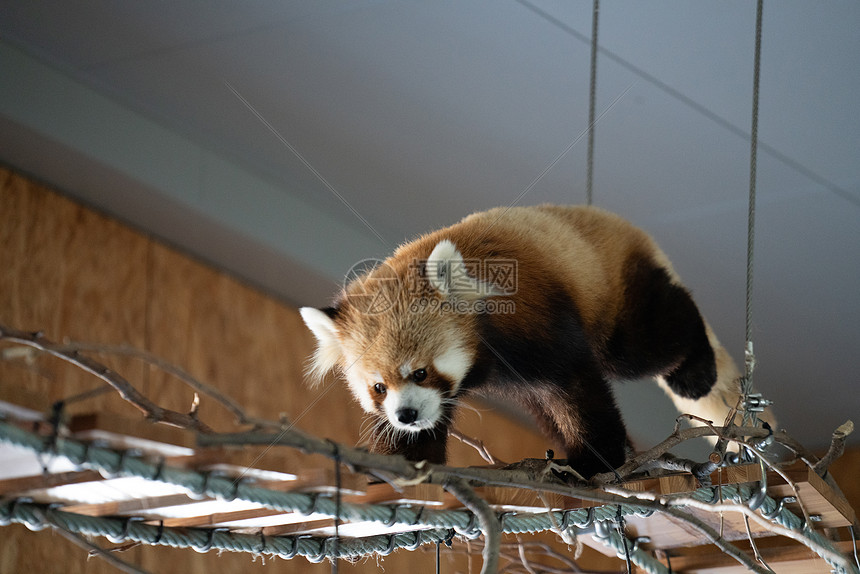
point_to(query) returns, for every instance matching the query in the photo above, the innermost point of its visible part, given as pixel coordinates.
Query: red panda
(540, 306)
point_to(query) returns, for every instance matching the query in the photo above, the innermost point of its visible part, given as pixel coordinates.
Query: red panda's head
(402, 335)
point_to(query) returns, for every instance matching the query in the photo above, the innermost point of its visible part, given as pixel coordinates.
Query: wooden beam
(14, 486)
(421, 494)
(785, 556)
(216, 518)
(130, 507)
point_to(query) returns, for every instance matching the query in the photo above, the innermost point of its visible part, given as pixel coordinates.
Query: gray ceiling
(284, 141)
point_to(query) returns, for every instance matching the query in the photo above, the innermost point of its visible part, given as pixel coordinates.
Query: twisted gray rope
(39, 516)
(112, 462)
(622, 548)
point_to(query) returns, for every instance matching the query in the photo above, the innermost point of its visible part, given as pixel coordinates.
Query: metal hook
(416, 543)
(294, 550)
(715, 495)
(589, 519)
(235, 492)
(393, 518)
(322, 553)
(471, 530)
(779, 506)
(391, 545)
(502, 517)
(263, 545)
(158, 533)
(565, 519)
(209, 540)
(201, 492)
(85, 456)
(639, 540)
(117, 468)
(54, 420)
(159, 469)
(123, 535)
(314, 496)
(418, 516)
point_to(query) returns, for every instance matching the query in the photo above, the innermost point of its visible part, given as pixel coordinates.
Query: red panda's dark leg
(429, 445)
(586, 424)
(600, 443)
(660, 332)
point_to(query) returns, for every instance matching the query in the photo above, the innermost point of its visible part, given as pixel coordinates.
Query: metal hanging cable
(592, 97)
(749, 356)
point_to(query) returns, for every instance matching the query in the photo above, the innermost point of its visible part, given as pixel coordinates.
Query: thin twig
(837, 447)
(521, 551)
(510, 551)
(565, 535)
(477, 444)
(96, 550)
(126, 390)
(753, 545)
(681, 435)
(242, 418)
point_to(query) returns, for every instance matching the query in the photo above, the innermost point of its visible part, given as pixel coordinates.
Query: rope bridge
(402, 525)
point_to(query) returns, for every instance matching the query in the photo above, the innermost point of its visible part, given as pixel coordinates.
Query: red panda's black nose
(407, 416)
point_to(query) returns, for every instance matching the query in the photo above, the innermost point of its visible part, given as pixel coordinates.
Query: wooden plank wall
(79, 275)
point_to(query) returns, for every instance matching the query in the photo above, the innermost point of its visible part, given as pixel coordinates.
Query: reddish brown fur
(593, 294)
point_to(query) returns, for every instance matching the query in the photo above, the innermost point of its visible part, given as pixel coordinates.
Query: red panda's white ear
(329, 351)
(449, 274)
(319, 322)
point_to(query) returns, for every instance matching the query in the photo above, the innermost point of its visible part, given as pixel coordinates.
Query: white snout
(413, 408)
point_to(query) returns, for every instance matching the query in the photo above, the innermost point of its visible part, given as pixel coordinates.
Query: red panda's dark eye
(419, 375)
(379, 388)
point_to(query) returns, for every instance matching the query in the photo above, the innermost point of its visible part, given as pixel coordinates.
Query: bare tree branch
(508, 550)
(837, 447)
(96, 550)
(126, 390)
(489, 522)
(477, 444)
(242, 418)
(521, 551)
(681, 435)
